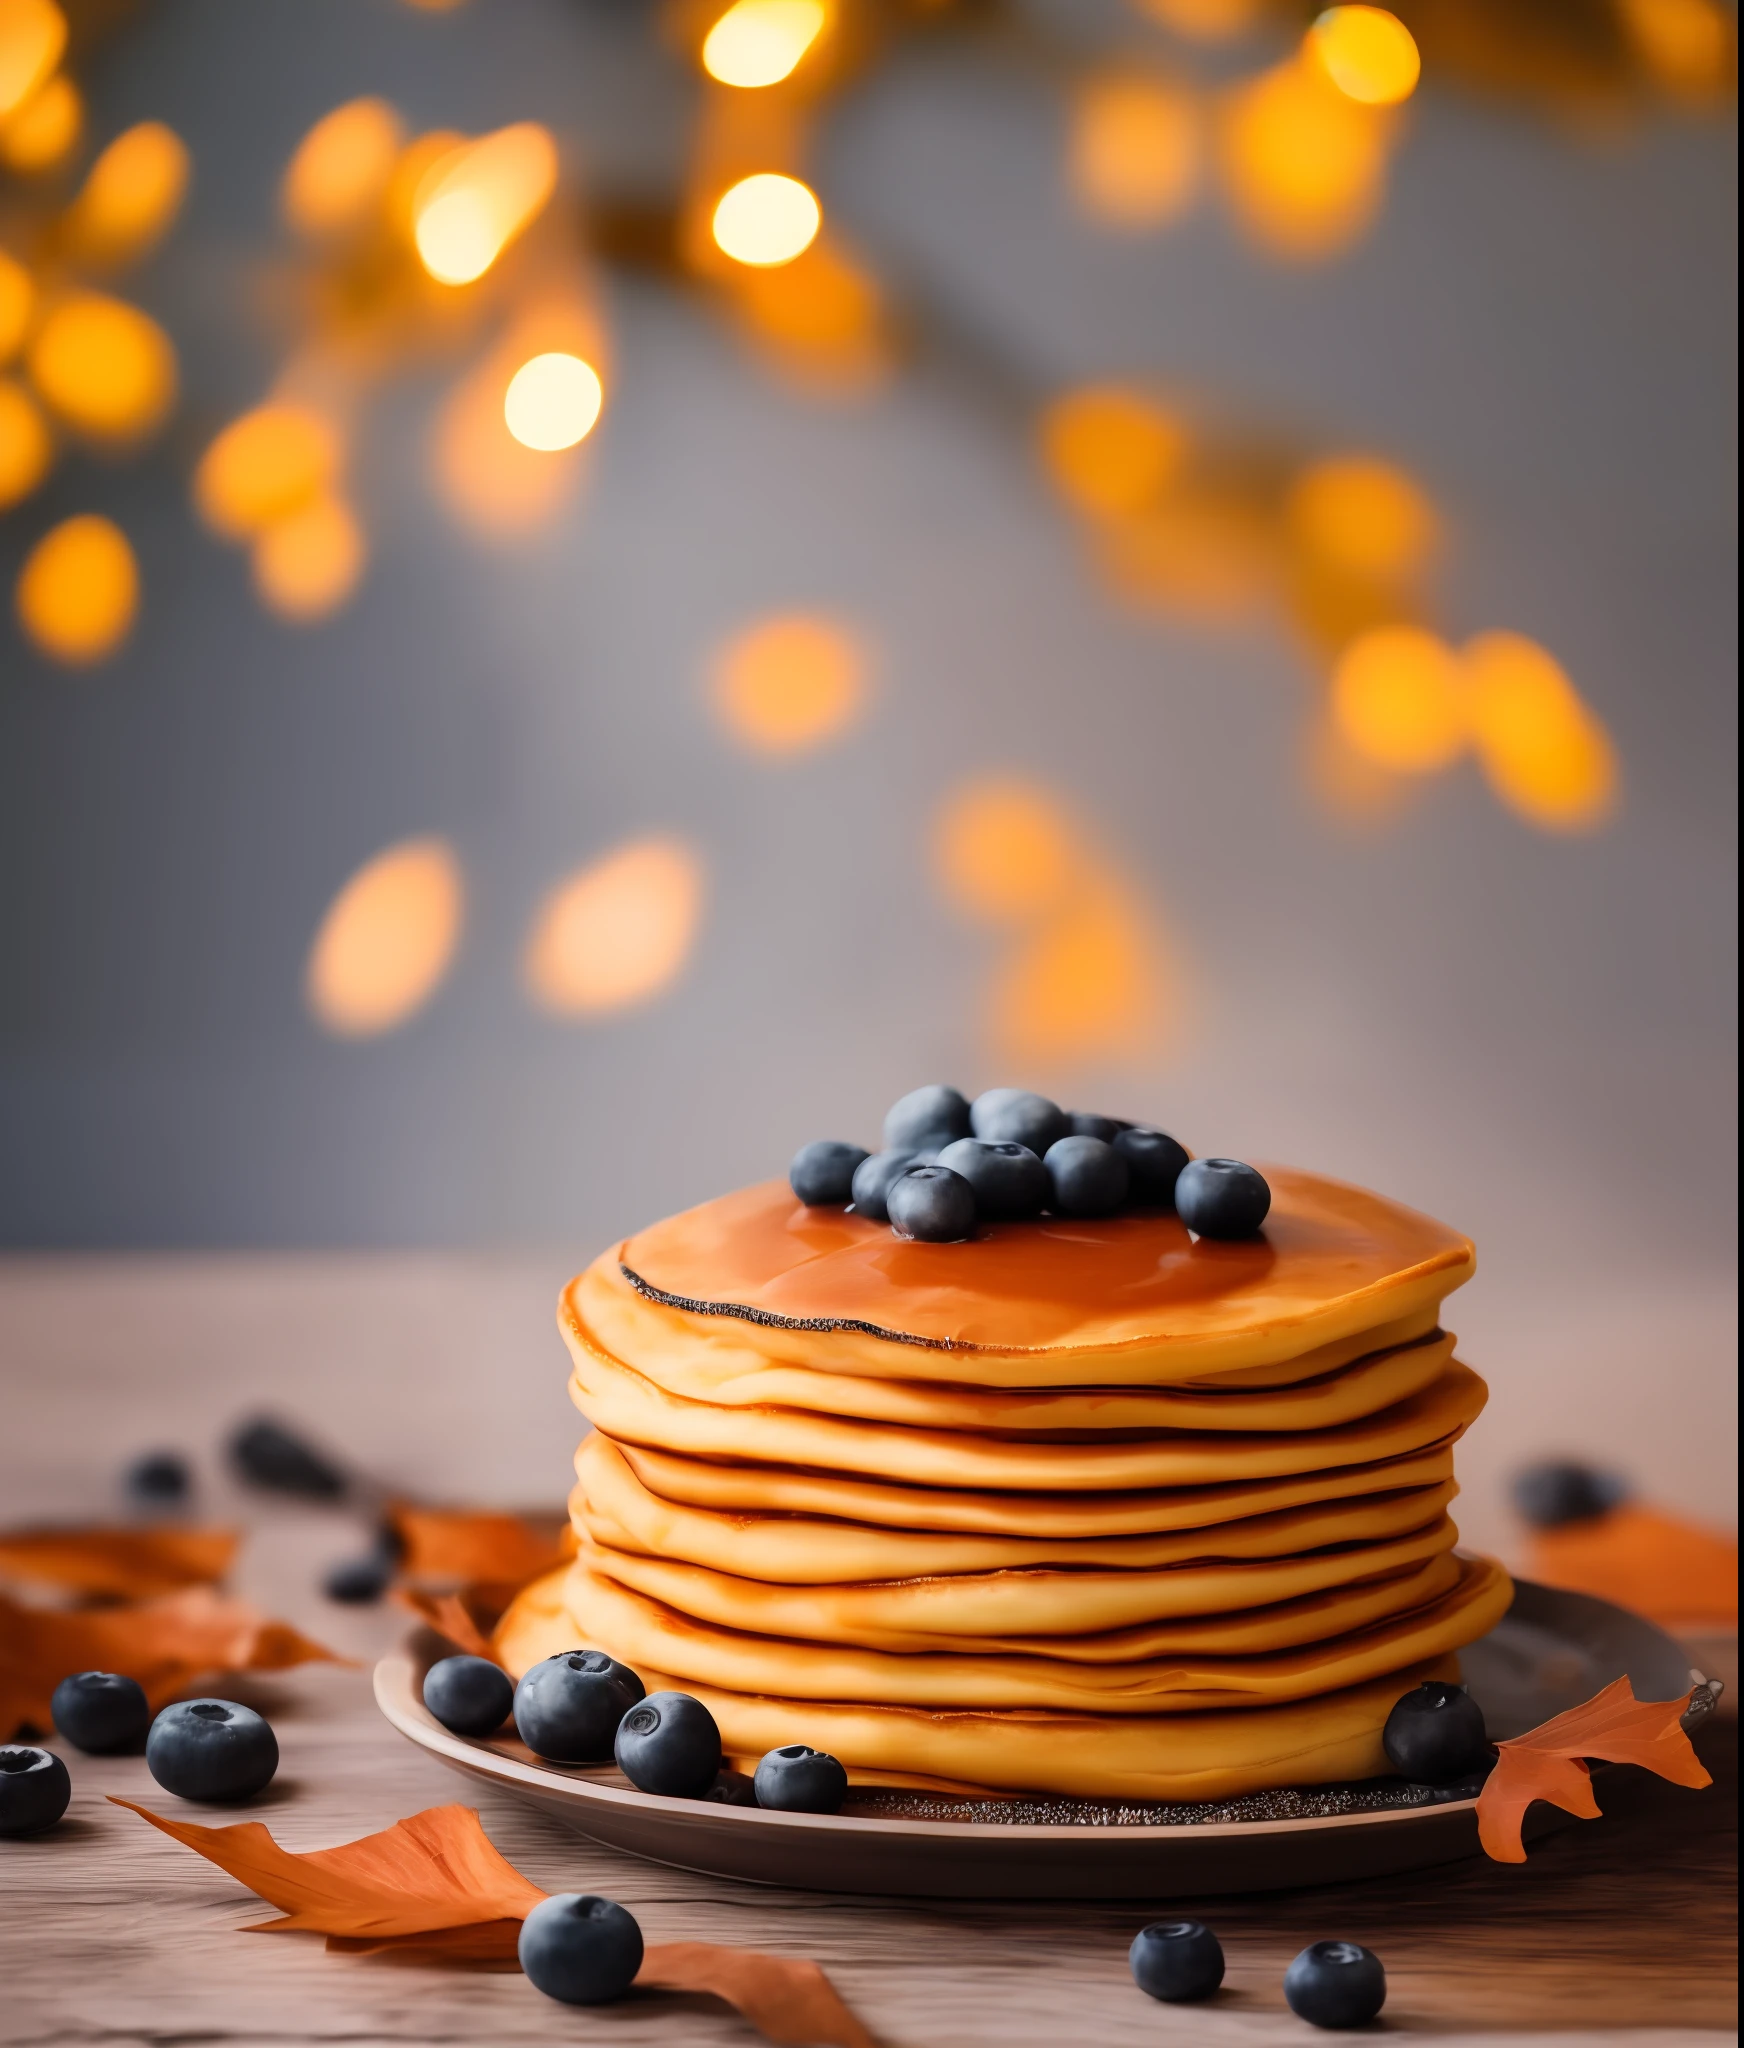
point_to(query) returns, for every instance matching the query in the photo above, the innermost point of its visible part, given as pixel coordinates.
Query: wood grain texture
(1617, 1930)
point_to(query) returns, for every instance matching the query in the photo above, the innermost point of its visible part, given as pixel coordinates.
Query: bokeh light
(33, 33)
(130, 196)
(821, 317)
(1399, 697)
(1206, 21)
(105, 367)
(26, 445)
(1085, 986)
(761, 42)
(1368, 54)
(766, 219)
(308, 563)
(495, 486)
(1110, 450)
(264, 466)
(1690, 46)
(617, 932)
(1544, 751)
(1304, 165)
(1364, 516)
(477, 199)
(388, 940)
(1005, 850)
(553, 401)
(17, 302)
(78, 591)
(45, 131)
(1209, 553)
(787, 684)
(1133, 154)
(340, 171)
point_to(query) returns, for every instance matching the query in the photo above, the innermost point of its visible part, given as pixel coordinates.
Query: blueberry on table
(1435, 1734)
(469, 1695)
(34, 1789)
(931, 1203)
(1557, 1492)
(211, 1750)
(1085, 1177)
(872, 1182)
(101, 1712)
(1335, 1984)
(1154, 1163)
(159, 1478)
(359, 1581)
(669, 1744)
(583, 1950)
(567, 1708)
(822, 1173)
(925, 1120)
(1013, 1116)
(1009, 1182)
(1082, 1123)
(800, 1780)
(1176, 1960)
(1221, 1198)
(267, 1454)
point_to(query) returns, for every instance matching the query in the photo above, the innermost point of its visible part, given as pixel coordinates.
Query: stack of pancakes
(1077, 1507)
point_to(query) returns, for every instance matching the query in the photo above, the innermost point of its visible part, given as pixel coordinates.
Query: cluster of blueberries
(948, 1164)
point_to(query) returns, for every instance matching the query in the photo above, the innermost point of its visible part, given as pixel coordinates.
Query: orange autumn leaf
(449, 1616)
(126, 1564)
(166, 1644)
(792, 2003)
(448, 1543)
(1673, 1571)
(1549, 1762)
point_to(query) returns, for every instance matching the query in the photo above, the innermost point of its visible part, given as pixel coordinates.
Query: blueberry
(670, 1745)
(1221, 1198)
(1154, 1162)
(1559, 1491)
(267, 1454)
(872, 1179)
(159, 1477)
(925, 1120)
(359, 1581)
(732, 1788)
(1176, 1960)
(211, 1750)
(822, 1173)
(469, 1695)
(34, 1790)
(931, 1203)
(1081, 1123)
(583, 1950)
(101, 1712)
(1335, 1984)
(567, 1709)
(800, 1780)
(1013, 1116)
(1008, 1181)
(1085, 1178)
(1435, 1734)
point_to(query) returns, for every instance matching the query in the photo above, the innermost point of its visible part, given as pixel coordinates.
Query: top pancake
(1124, 1298)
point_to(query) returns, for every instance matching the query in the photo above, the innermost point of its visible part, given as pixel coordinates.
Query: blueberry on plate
(1176, 1960)
(159, 1478)
(1435, 1734)
(567, 1708)
(1559, 1491)
(800, 1780)
(267, 1454)
(925, 1120)
(583, 1950)
(732, 1788)
(1154, 1162)
(359, 1581)
(1008, 1181)
(669, 1744)
(211, 1750)
(1221, 1198)
(822, 1173)
(1335, 1984)
(101, 1712)
(469, 1695)
(1013, 1116)
(1083, 1123)
(1085, 1177)
(873, 1179)
(34, 1789)
(931, 1203)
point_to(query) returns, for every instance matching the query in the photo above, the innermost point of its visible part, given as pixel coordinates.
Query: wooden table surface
(442, 1375)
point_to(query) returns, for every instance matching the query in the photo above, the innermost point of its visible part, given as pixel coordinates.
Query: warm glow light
(1399, 696)
(33, 33)
(1367, 53)
(26, 445)
(264, 466)
(1304, 164)
(107, 369)
(618, 932)
(387, 940)
(1688, 45)
(1005, 851)
(1084, 985)
(79, 589)
(474, 202)
(766, 219)
(341, 169)
(1363, 516)
(17, 302)
(45, 130)
(552, 402)
(130, 195)
(789, 683)
(307, 564)
(1111, 451)
(759, 42)
(496, 486)
(1209, 553)
(821, 314)
(1133, 155)
(1206, 21)
(1545, 753)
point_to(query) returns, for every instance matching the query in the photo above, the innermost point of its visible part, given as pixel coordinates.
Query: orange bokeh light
(1005, 850)
(1362, 515)
(33, 34)
(1367, 53)
(1399, 697)
(1111, 450)
(789, 683)
(388, 940)
(339, 174)
(1134, 148)
(130, 196)
(1206, 21)
(1690, 46)
(78, 591)
(264, 466)
(44, 131)
(1545, 753)
(105, 367)
(17, 303)
(477, 199)
(1085, 985)
(766, 219)
(308, 563)
(617, 932)
(1304, 165)
(758, 43)
(26, 445)
(553, 401)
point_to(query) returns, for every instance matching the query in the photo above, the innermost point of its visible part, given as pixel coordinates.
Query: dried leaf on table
(125, 1564)
(791, 2003)
(166, 1644)
(1549, 1762)
(457, 1616)
(444, 1543)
